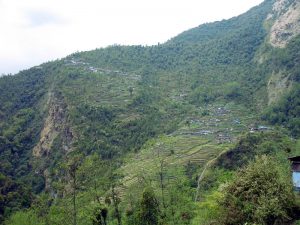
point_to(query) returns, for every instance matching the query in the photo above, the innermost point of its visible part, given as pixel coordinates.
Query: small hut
(296, 171)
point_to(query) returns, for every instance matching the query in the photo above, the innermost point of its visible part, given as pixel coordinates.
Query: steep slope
(286, 26)
(21, 113)
(124, 117)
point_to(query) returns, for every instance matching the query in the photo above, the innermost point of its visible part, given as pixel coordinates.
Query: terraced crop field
(199, 140)
(201, 135)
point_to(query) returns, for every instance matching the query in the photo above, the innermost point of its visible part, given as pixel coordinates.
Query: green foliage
(13, 196)
(209, 209)
(110, 102)
(252, 144)
(261, 193)
(179, 206)
(24, 218)
(287, 59)
(232, 27)
(149, 208)
(20, 125)
(287, 111)
(214, 178)
(276, 145)
(232, 90)
(204, 95)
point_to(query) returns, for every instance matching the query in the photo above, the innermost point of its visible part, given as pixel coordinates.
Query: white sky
(36, 31)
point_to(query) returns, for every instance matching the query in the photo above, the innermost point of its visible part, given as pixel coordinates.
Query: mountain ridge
(174, 107)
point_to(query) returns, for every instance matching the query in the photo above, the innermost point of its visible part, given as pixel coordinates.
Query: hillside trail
(209, 163)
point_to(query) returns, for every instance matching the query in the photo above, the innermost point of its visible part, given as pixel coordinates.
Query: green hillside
(157, 134)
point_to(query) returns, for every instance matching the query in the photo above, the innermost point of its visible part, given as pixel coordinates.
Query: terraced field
(201, 135)
(104, 88)
(199, 140)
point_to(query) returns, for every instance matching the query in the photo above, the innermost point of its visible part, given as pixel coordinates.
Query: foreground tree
(73, 169)
(262, 193)
(149, 208)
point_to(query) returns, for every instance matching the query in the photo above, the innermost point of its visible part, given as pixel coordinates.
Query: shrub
(261, 193)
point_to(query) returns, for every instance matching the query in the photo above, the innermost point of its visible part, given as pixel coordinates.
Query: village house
(295, 166)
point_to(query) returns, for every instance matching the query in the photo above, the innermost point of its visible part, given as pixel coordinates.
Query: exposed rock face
(286, 16)
(278, 85)
(285, 21)
(280, 5)
(55, 124)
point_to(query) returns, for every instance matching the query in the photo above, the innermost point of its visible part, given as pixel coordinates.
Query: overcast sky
(36, 31)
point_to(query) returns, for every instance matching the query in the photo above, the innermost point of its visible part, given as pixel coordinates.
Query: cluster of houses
(221, 111)
(88, 67)
(74, 62)
(254, 129)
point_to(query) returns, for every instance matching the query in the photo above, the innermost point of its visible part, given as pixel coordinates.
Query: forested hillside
(165, 134)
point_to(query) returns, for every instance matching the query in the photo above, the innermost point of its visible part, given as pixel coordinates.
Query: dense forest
(197, 130)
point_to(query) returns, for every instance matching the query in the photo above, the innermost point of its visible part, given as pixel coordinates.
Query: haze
(36, 31)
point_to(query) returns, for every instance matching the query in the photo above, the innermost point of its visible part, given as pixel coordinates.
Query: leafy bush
(24, 218)
(261, 193)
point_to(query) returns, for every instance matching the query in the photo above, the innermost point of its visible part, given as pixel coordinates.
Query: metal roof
(294, 159)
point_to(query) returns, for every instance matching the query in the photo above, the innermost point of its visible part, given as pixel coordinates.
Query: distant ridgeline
(90, 132)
